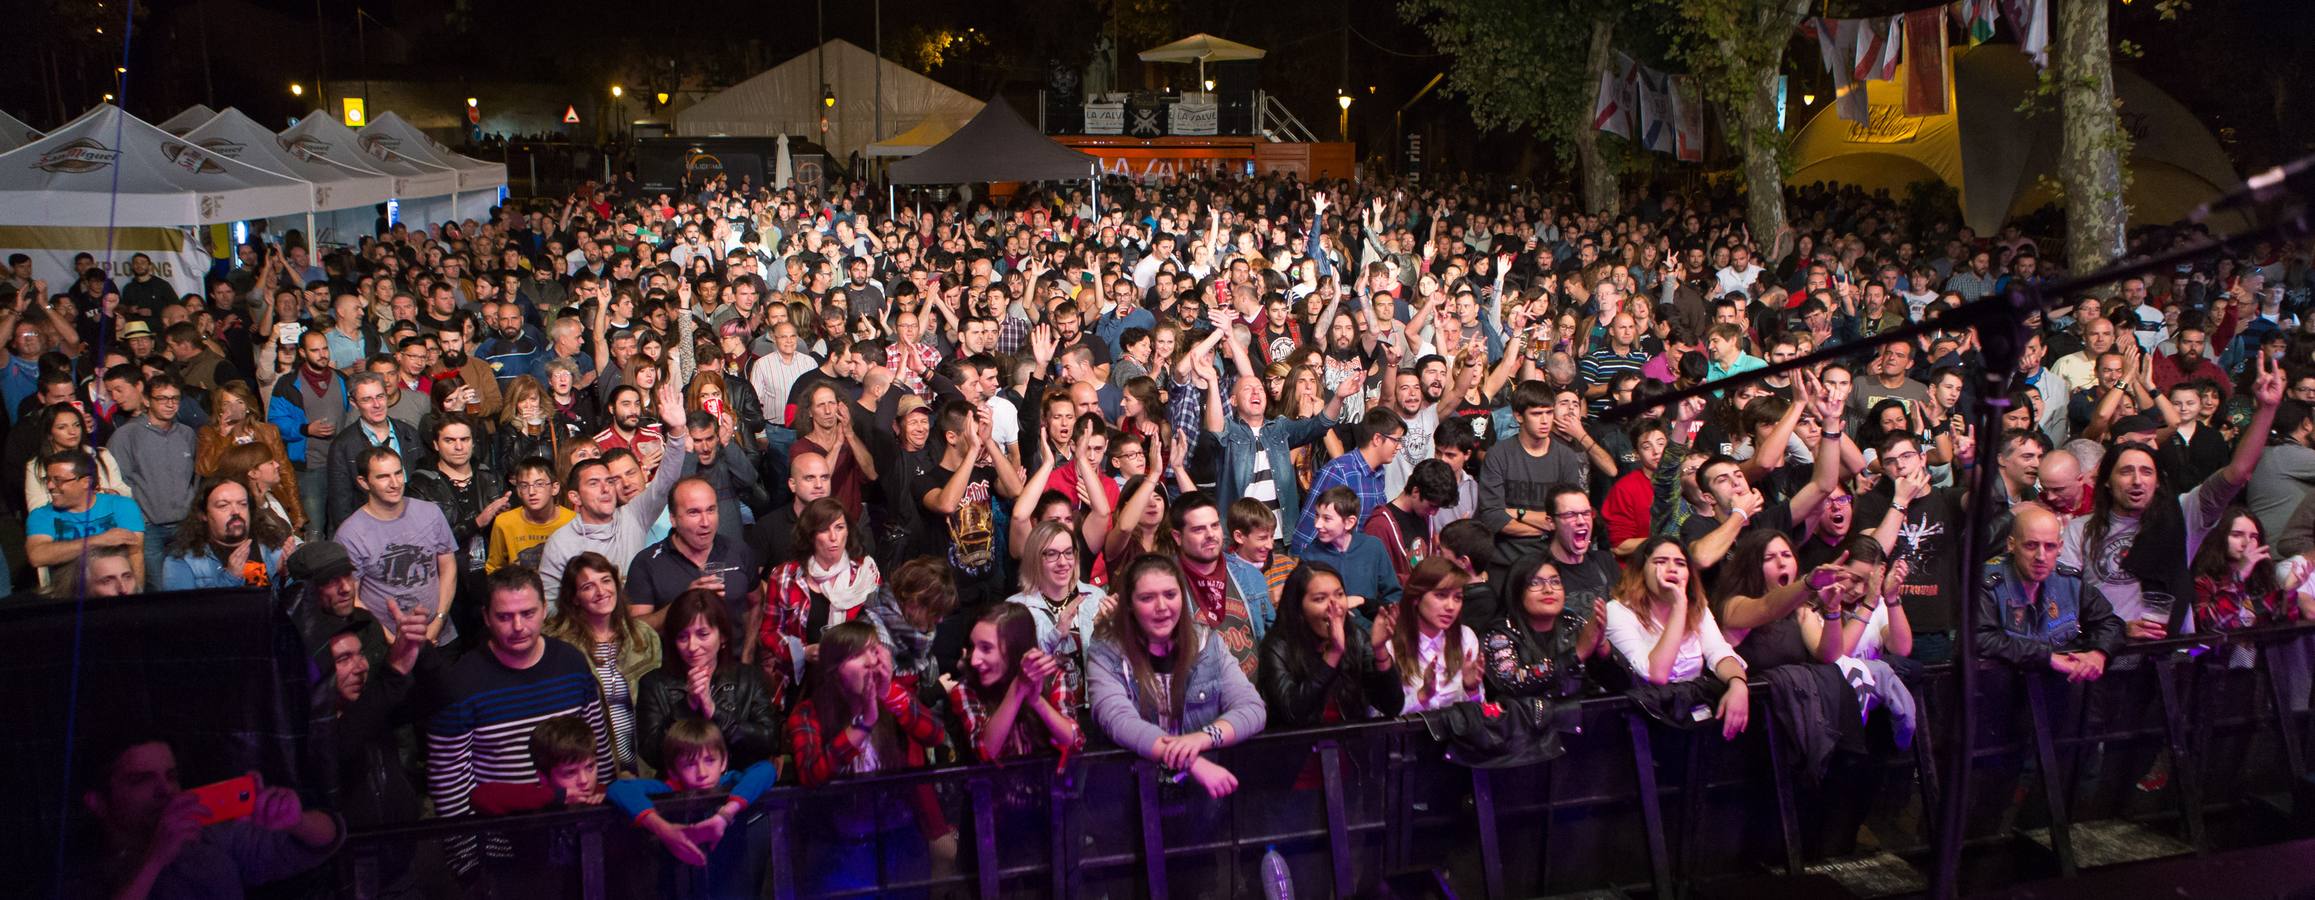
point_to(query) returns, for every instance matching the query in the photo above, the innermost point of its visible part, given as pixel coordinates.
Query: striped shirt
(618, 701)
(482, 730)
(1604, 366)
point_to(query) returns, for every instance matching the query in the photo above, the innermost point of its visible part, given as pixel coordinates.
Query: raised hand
(2269, 387)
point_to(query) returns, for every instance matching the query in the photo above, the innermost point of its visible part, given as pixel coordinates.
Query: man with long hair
(221, 544)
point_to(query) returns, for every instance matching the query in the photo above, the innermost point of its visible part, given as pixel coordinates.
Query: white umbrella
(783, 167)
(1199, 48)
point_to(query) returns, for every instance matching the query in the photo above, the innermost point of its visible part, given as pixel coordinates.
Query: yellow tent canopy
(1995, 156)
(935, 128)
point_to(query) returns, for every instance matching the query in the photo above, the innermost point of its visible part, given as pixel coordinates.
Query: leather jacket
(1296, 683)
(2069, 615)
(743, 711)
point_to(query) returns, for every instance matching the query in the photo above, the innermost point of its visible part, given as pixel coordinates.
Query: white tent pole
(1096, 179)
(313, 242)
(891, 201)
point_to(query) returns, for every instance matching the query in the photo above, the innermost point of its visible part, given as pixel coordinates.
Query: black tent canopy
(997, 145)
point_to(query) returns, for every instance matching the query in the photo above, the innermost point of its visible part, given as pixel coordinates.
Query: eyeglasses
(534, 485)
(167, 398)
(1060, 554)
(1542, 583)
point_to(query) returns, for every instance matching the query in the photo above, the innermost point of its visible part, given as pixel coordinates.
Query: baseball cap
(909, 404)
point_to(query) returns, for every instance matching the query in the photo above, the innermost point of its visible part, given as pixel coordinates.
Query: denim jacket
(1218, 690)
(205, 570)
(1253, 588)
(1278, 437)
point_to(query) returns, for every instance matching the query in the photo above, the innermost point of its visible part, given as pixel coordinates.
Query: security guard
(2033, 613)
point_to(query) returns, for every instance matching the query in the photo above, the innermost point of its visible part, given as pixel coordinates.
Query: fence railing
(1633, 803)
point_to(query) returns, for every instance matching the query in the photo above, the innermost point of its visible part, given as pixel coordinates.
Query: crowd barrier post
(2185, 765)
(1925, 762)
(1651, 800)
(1065, 878)
(780, 872)
(1781, 784)
(2286, 723)
(1398, 843)
(1153, 837)
(984, 835)
(1337, 818)
(2054, 780)
(591, 880)
(1490, 843)
(1692, 796)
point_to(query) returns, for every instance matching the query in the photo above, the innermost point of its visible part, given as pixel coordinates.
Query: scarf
(847, 585)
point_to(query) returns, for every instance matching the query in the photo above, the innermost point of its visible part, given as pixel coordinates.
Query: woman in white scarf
(829, 586)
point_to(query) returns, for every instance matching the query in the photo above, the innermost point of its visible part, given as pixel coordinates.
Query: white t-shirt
(1416, 448)
(1004, 422)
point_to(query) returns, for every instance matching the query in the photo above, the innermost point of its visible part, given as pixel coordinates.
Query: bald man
(2061, 480)
(2038, 615)
(693, 557)
(774, 535)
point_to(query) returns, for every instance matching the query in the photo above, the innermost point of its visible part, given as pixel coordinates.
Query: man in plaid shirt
(1361, 470)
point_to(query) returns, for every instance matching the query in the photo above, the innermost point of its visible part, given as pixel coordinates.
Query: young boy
(1365, 566)
(563, 750)
(696, 761)
(1254, 538)
(517, 534)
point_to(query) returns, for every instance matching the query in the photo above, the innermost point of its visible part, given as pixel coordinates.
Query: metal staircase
(1274, 122)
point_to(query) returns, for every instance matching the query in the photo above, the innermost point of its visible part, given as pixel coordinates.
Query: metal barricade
(1350, 805)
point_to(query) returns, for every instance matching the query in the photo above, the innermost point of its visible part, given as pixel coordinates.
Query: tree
(1532, 66)
(1734, 49)
(2094, 143)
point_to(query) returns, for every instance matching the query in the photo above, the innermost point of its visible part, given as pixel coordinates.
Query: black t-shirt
(1586, 581)
(965, 538)
(1930, 544)
(1773, 516)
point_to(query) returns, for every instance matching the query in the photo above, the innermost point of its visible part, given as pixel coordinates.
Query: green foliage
(1730, 46)
(1519, 64)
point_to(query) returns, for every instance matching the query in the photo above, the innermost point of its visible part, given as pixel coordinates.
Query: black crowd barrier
(1634, 804)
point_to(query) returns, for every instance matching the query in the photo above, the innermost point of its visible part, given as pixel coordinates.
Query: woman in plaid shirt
(1014, 704)
(858, 721)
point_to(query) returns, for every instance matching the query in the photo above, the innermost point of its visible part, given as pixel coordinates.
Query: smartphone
(233, 798)
(287, 333)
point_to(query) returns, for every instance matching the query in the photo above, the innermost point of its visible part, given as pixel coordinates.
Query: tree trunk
(2091, 173)
(1596, 173)
(1757, 134)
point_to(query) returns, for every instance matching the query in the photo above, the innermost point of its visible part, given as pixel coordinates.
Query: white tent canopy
(193, 117)
(1996, 156)
(787, 99)
(235, 135)
(320, 135)
(14, 133)
(108, 168)
(397, 133)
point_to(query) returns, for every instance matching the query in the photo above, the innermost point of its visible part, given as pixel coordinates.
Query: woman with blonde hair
(525, 428)
(267, 480)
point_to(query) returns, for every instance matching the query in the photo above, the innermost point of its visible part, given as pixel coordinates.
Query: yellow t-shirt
(514, 538)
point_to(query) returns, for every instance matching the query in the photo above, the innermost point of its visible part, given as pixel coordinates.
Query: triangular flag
(1687, 120)
(570, 115)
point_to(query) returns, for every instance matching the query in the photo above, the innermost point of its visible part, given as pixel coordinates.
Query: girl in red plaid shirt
(857, 721)
(1014, 704)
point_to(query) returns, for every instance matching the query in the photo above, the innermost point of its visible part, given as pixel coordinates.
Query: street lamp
(827, 96)
(1209, 85)
(471, 103)
(617, 91)
(1808, 99)
(1342, 124)
(296, 89)
(663, 98)
(1342, 100)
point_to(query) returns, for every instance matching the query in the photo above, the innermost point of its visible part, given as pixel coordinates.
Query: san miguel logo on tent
(191, 159)
(222, 147)
(380, 146)
(77, 156)
(305, 148)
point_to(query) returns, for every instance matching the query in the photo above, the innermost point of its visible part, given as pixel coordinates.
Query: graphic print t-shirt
(396, 560)
(109, 511)
(968, 537)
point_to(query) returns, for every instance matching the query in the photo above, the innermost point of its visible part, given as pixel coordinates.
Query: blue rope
(104, 322)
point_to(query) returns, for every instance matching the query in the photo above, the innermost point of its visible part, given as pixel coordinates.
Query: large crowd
(621, 494)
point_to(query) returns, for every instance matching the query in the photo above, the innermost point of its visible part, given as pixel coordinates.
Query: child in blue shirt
(696, 761)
